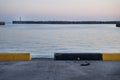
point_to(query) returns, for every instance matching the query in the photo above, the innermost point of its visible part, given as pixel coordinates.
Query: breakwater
(66, 22)
(2, 23)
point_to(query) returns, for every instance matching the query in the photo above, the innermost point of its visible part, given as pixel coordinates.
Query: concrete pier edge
(62, 56)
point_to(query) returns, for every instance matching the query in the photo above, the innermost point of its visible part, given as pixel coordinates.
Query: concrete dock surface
(48, 69)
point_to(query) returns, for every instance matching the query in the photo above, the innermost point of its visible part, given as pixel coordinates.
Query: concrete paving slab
(48, 69)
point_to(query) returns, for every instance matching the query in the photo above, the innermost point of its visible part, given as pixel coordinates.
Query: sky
(79, 10)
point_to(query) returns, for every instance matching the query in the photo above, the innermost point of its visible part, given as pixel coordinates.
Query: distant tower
(20, 18)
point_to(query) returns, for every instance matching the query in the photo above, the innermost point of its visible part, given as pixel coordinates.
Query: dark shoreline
(66, 22)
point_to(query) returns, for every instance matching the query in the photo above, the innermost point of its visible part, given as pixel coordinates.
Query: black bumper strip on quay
(77, 56)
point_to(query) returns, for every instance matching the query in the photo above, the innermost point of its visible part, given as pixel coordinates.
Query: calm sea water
(43, 40)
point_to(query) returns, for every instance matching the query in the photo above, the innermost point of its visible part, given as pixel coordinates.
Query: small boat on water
(118, 25)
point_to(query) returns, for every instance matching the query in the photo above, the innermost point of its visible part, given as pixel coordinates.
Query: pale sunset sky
(82, 10)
